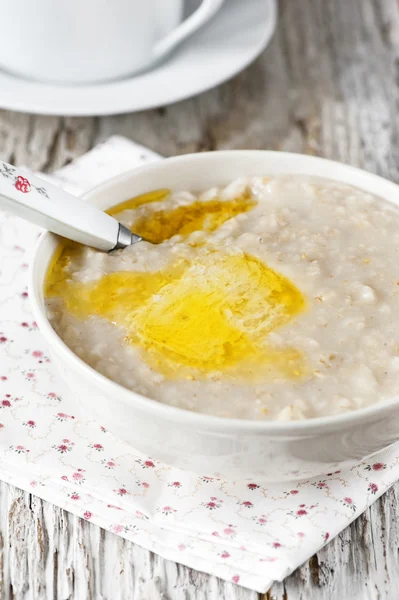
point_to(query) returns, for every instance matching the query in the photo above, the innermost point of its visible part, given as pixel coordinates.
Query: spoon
(48, 206)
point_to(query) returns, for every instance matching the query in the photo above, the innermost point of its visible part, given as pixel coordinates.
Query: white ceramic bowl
(228, 448)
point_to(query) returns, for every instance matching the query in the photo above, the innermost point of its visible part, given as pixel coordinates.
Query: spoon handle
(48, 206)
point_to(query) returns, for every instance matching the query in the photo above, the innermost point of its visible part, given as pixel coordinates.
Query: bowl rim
(180, 415)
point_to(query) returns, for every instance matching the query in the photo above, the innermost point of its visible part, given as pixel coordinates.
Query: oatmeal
(271, 298)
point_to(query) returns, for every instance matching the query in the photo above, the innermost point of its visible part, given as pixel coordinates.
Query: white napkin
(243, 532)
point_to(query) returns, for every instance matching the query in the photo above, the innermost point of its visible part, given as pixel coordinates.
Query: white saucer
(236, 36)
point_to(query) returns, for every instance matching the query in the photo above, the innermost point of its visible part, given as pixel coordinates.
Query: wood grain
(329, 85)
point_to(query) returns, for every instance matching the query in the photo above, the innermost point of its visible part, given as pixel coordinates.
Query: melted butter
(132, 203)
(161, 225)
(195, 319)
(192, 319)
(216, 316)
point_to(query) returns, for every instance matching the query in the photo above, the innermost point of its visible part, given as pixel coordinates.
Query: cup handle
(203, 14)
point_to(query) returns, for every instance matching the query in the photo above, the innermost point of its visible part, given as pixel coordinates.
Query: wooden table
(329, 85)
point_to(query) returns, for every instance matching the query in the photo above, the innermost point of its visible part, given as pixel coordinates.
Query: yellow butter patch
(161, 225)
(213, 315)
(195, 318)
(216, 316)
(133, 203)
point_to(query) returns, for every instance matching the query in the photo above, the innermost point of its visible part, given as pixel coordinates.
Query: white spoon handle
(48, 206)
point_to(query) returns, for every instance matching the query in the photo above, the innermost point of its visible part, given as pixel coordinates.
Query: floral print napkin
(244, 532)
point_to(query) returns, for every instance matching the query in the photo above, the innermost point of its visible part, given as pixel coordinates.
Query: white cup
(88, 41)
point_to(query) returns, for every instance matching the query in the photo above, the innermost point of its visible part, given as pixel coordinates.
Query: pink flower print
(224, 554)
(109, 464)
(33, 483)
(320, 485)
(5, 404)
(181, 547)
(30, 327)
(19, 449)
(37, 353)
(349, 502)
(63, 416)
(260, 520)
(30, 424)
(378, 466)
(29, 375)
(3, 377)
(87, 515)
(66, 446)
(146, 464)
(301, 534)
(53, 396)
(301, 512)
(98, 447)
(373, 488)
(326, 536)
(22, 184)
(113, 506)
(215, 534)
(213, 503)
(252, 486)
(1, 425)
(206, 479)
(74, 496)
(103, 429)
(117, 528)
(276, 545)
(167, 510)
(246, 503)
(78, 477)
(175, 484)
(235, 579)
(145, 484)
(64, 478)
(291, 493)
(24, 294)
(229, 531)
(3, 339)
(121, 491)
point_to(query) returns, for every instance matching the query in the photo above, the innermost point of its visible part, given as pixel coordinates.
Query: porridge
(270, 298)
